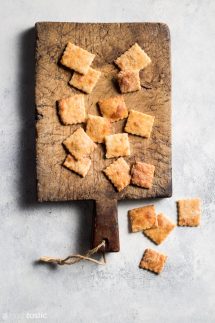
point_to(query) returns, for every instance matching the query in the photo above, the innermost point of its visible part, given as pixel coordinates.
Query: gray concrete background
(120, 291)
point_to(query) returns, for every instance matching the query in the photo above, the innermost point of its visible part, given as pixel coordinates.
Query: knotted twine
(72, 259)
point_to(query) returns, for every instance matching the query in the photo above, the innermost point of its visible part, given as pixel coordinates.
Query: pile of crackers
(158, 227)
(81, 143)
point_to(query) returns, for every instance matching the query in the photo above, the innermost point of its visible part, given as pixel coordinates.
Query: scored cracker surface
(113, 108)
(139, 124)
(117, 145)
(153, 260)
(133, 59)
(142, 174)
(129, 81)
(77, 58)
(71, 110)
(98, 128)
(142, 218)
(87, 82)
(189, 212)
(164, 228)
(118, 173)
(79, 144)
(80, 166)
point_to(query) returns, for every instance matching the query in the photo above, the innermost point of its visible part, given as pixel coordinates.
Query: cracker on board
(139, 124)
(86, 82)
(133, 59)
(80, 166)
(142, 174)
(129, 81)
(71, 110)
(98, 128)
(79, 144)
(113, 108)
(153, 260)
(117, 145)
(189, 212)
(118, 173)
(77, 58)
(159, 234)
(142, 218)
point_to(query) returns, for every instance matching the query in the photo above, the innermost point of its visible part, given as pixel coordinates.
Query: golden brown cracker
(164, 227)
(189, 212)
(118, 173)
(79, 144)
(133, 59)
(153, 260)
(77, 58)
(142, 174)
(86, 82)
(117, 145)
(129, 81)
(80, 166)
(142, 218)
(139, 124)
(71, 110)
(113, 108)
(98, 128)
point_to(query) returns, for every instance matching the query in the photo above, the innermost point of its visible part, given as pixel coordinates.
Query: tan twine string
(72, 259)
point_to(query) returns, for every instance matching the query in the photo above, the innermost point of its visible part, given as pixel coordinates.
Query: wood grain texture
(107, 41)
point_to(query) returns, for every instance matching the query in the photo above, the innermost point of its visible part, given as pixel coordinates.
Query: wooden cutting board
(107, 41)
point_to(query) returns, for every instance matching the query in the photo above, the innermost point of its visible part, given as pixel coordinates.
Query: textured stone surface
(119, 292)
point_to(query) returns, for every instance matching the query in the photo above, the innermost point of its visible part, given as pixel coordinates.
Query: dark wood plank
(107, 41)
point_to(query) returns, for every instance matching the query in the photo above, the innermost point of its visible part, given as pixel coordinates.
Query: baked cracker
(77, 58)
(98, 128)
(142, 218)
(71, 110)
(139, 124)
(79, 144)
(159, 234)
(129, 81)
(142, 174)
(87, 82)
(113, 108)
(117, 145)
(189, 212)
(118, 173)
(153, 260)
(133, 59)
(80, 166)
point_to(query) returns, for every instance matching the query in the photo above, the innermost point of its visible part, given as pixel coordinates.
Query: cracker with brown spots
(153, 260)
(139, 124)
(189, 212)
(71, 110)
(113, 108)
(142, 218)
(129, 81)
(80, 166)
(117, 145)
(87, 82)
(142, 174)
(98, 128)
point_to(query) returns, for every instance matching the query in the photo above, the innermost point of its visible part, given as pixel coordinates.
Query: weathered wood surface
(107, 41)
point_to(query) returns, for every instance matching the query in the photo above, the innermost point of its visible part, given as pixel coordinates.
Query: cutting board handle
(105, 225)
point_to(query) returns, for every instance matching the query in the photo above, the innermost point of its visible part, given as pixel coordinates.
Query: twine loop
(72, 259)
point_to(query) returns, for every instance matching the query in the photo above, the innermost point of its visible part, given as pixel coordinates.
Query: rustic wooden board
(107, 41)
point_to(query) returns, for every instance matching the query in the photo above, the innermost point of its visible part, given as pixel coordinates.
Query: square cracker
(72, 109)
(79, 144)
(87, 82)
(118, 173)
(98, 128)
(142, 218)
(133, 59)
(113, 108)
(139, 124)
(153, 260)
(159, 234)
(189, 212)
(77, 58)
(129, 81)
(142, 174)
(80, 166)
(117, 145)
